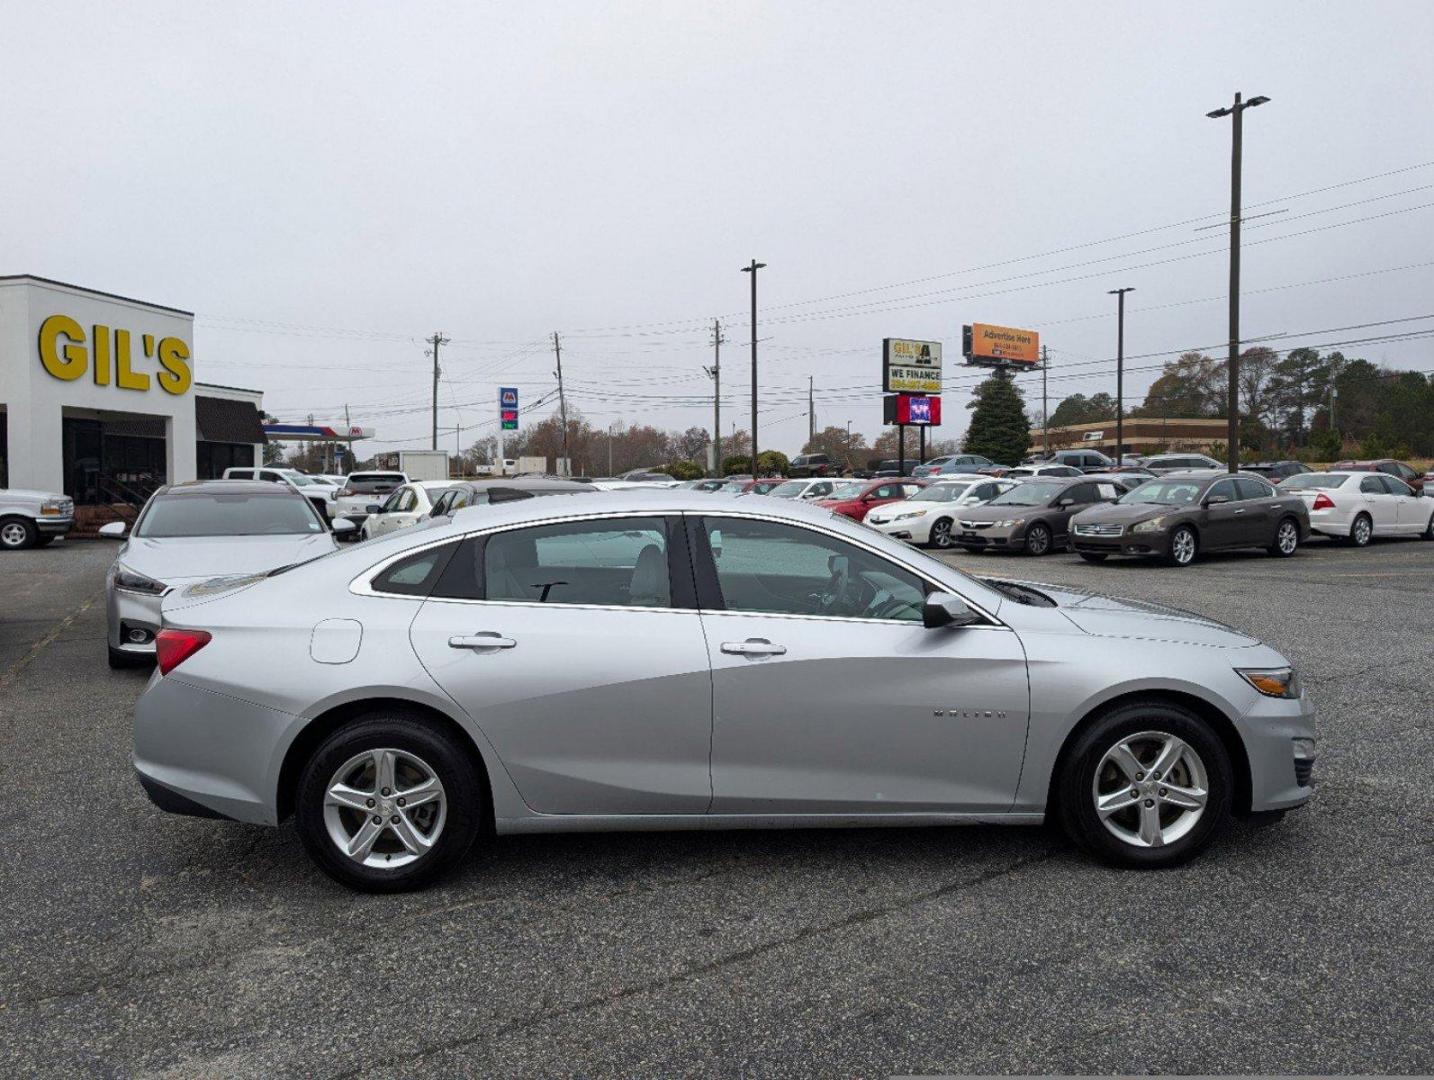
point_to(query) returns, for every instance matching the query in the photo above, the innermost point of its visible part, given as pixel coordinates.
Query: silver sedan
(655, 659)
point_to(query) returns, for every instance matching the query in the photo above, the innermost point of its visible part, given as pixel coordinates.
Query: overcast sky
(325, 185)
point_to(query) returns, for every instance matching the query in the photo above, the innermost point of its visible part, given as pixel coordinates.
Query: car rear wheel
(1361, 531)
(1147, 785)
(389, 802)
(1287, 539)
(1183, 546)
(17, 533)
(941, 533)
(1093, 556)
(1038, 539)
(1428, 533)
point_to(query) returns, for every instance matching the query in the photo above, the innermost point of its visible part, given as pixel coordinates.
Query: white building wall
(34, 399)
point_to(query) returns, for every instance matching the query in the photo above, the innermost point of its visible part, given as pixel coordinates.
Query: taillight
(174, 647)
(1323, 502)
(345, 493)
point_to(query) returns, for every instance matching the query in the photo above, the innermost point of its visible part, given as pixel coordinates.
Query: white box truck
(418, 464)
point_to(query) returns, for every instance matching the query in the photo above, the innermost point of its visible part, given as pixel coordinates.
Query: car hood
(1124, 513)
(1109, 616)
(27, 493)
(195, 557)
(987, 512)
(889, 510)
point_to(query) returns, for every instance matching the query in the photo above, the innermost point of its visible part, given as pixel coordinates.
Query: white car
(360, 490)
(819, 487)
(1025, 472)
(927, 516)
(1358, 506)
(406, 506)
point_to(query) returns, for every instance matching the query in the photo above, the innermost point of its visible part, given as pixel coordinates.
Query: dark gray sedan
(1176, 516)
(1032, 517)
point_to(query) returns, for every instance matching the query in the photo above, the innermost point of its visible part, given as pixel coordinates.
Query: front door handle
(1239, 510)
(753, 647)
(485, 639)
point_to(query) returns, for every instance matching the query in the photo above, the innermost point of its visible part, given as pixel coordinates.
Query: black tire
(121, 660)
(1428, 533)
(17, 533)
(1093, 556)
(1287, 539)
(1075, 785)
(1178, 554)
(941, 533)
(1038, 539)
(1361, 530)
(468, 800)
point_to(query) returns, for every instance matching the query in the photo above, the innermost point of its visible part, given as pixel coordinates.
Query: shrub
(737, 463)
(772, 463)
(683, 470)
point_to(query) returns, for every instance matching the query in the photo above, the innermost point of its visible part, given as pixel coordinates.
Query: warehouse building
(98, 398)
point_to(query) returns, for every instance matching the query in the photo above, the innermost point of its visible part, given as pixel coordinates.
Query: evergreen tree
(1000, 429)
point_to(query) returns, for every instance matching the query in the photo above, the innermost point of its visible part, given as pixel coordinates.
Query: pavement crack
(855, 919)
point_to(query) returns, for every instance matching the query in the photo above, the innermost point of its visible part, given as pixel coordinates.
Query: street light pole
(1119, 294)
(1236, 112)
(752, 269)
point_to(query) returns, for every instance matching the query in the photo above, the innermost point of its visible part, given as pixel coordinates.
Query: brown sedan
(1179, 515)
(1032, 517)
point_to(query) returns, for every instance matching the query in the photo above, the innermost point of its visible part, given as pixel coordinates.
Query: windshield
(300, 480)
(790, 490)
(376, 478)
(1164, 493)
(848, 491)
(1031, 493)
(1305, 481)
(939, 493)
(170, 516)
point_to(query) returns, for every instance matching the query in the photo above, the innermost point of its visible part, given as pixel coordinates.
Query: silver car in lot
(196, 531)
(664, 660)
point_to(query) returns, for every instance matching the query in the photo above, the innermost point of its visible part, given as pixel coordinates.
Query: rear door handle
(753, 647)
(485, 639)
(1240, 510)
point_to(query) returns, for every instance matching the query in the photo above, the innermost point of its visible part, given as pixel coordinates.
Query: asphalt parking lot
(138, 943)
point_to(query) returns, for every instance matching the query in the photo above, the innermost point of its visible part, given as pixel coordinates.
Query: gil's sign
(910, 367)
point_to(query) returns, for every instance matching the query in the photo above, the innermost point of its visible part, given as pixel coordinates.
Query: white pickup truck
(33, 518)
(319, 492)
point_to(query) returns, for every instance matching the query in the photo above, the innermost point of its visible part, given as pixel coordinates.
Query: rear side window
(1372, 485)
(613, 563)
(415, 575)
(1253, 489)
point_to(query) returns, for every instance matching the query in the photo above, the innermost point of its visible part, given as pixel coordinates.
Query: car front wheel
(1147, 785)
(389, 802)
(941, 533)
(17, 533)
(1183, 546)
(1038, 539)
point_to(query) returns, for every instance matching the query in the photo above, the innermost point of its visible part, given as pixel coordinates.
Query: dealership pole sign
(508, 408)
(987, 345)
(910, 367)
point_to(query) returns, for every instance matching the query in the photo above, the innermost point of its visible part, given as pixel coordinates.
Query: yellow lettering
(176, 377)
(71, 365)
(124, 377)
(102, 355)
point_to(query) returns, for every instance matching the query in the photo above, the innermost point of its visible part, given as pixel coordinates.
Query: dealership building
(98, 398)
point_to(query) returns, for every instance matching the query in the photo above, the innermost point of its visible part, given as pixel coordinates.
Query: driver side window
(763, 566)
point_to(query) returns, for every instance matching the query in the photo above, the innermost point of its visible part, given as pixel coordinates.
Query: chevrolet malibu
(196, 531)
(662, 660)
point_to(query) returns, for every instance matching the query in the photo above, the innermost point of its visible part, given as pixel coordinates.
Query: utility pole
(567, 468)
(436, 340)
(715, 373)
(1237, 112)
(811, 412)
(1119, 295)
(752, 269)
(349, 431)
(1045, 407)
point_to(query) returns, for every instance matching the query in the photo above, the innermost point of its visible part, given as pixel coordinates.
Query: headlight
(1010, 523)
(1153, 525)
(1272, 682)
(129, 581)
(909, 514)
(50, 508)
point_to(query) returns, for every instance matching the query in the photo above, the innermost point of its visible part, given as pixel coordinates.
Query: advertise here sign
(910, 367)
(987, 343)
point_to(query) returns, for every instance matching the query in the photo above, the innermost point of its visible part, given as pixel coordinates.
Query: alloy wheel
(1182, 547)
(1150, 789)
(385, 808)
(1363, 530)
(1038, 540)
(13, 534)
(941, 533)
(1288, 538)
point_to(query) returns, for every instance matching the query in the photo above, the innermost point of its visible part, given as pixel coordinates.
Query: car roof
(525, 483)
(228, 487)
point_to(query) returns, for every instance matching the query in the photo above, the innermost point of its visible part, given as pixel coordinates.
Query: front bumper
(54, 526)
(1270, 732)
(133, 620)
(993, 537)
(912, 530)
(1138, 544)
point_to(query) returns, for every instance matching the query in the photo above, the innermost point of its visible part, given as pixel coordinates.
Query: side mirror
(946, 609)
(341, 526)
(1066, 502)
(114, 530)
(373, 508)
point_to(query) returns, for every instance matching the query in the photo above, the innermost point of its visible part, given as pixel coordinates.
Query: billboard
(508, 408)
(923, 410)
(985, 343)
(910, 367)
